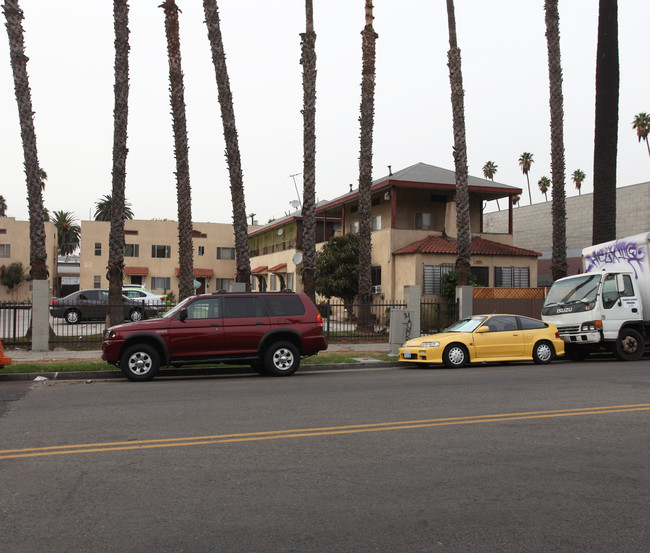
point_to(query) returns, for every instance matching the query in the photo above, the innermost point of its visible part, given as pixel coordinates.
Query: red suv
(270, 331)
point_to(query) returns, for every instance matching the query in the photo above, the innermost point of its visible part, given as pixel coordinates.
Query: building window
(375, 275)
(161, 251)
(225, 253)
(354, 227)
(201, 250)
(160, 283)
(433, 278)
(512, 277)
(376, 222)
(423, 221)
(273, 280)
(97, 281)
(5, 250)
(98, 248)
(224, 283)
(290, 283)
(131, 250)
(481, 275)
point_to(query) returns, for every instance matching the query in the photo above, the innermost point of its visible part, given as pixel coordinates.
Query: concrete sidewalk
(61, 354)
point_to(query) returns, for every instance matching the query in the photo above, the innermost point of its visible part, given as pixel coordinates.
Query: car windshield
(177, 308)
(574, 290)
(466, 325)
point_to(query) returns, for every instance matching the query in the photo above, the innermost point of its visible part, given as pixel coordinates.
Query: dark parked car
(90, 305)
(269, 331)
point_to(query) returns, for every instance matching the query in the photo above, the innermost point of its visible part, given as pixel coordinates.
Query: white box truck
(608, 306)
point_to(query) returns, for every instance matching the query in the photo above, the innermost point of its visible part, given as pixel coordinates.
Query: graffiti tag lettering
(619, 252)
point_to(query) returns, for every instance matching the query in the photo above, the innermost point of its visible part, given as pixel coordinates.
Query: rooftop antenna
(390, 171)
(296, 186)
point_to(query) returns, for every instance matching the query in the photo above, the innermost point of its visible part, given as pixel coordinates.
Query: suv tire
(281, 359)
(140, 362)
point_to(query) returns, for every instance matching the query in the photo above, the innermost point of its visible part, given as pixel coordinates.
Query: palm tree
(233, 156)
(642, 125)
(68, 233)
(515, 199)
(559, 265)
(308, 61)
(367, 121)
(460, 151)
(103, 209)
(181, 152)
(3, 206)
(578, 176)
(42, 177)
(525, 162)
(606, 127)
(115, 267)
(544, 184)
(37, 252)
(489, 170)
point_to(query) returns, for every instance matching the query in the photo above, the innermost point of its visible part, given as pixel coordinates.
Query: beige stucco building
(151, 255)
(14, 248)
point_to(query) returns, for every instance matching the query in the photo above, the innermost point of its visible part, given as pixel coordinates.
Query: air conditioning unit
(376, 289)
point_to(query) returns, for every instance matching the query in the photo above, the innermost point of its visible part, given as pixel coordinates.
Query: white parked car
(140, 293)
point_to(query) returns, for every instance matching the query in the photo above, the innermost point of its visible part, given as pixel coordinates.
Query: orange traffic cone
(4, 360)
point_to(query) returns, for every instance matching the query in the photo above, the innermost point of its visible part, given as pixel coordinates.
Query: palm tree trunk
(181, 150)
(369, 38)
(460, 152)
(308, 61)
(558, 208)
(37, 252)
(233, 157)
(606, 129)
(121, 114)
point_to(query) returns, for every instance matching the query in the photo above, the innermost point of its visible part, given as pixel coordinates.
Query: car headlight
(430, 344)
(111, 334)
(591, 326)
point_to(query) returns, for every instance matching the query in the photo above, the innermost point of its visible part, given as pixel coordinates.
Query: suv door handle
(214, 324)
(259, 323)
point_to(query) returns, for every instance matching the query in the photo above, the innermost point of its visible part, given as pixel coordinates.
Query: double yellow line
(310, 432)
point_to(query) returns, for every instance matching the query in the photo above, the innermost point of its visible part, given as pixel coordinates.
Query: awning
(260, 269)
(281, 267)
(136, 270)
(198, 272)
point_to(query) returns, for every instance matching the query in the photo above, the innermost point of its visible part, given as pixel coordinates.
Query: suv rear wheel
(281, 359)
(140, 362)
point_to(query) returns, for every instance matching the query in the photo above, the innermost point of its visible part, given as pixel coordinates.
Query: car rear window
(237, 307)
(531, 324)
(283, 306)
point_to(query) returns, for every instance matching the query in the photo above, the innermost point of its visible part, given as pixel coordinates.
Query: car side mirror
(183, 314)
(483, 329)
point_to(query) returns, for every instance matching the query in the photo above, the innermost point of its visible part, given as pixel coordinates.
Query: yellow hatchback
(487, 338)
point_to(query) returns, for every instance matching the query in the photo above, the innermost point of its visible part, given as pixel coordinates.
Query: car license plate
(407, 354)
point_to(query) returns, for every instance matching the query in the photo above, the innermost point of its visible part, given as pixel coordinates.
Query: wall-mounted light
(387, 195)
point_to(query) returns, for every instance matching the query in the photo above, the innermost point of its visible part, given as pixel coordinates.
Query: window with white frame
(201, 251)
(224, 283)
(376, 222)
(290, 281)
(5, 250)
(97, 281)
(423, 221)
(273, 282)
(131, 250)
(354, 227)
(160, 283)
(98, 248)
(161, 251)
(433, 278)
(512, 277)
(225, 253)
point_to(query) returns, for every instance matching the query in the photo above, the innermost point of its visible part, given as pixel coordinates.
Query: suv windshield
(582, 289)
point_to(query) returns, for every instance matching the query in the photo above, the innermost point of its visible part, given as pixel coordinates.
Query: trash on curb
(41, 379)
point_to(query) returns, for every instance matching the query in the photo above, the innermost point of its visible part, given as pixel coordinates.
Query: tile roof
(198, 272)
(136, 270)
(480, 246)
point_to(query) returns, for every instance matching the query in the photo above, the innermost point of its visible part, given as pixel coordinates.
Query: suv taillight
(319, 320)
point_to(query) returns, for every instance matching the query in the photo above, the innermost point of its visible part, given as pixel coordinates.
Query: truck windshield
(581, 289)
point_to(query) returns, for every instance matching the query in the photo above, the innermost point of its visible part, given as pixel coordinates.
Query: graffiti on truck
(619, 252)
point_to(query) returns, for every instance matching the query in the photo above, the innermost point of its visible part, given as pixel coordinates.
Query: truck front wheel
(629, 346)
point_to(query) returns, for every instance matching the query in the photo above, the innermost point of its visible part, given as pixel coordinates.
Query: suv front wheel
(140, 362)
(281, 359)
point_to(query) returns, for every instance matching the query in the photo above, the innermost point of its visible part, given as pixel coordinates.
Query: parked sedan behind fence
(91, 305)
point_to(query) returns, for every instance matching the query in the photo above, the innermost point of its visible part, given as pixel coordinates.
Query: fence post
(413, 300)
(40, 315)
(329, 317)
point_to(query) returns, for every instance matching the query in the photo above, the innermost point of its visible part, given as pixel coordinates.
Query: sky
(505, 75)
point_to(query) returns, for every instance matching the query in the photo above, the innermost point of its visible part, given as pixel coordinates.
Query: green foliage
(337, 268)
(13, 275)
(103, 209)
(68, 233)
(449, 283)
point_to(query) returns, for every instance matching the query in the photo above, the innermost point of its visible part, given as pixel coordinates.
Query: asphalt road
(515, 458)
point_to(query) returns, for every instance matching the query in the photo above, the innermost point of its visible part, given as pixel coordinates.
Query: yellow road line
(309, 432)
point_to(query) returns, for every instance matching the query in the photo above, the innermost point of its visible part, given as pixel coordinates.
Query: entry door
(503, 340)
(620, 305)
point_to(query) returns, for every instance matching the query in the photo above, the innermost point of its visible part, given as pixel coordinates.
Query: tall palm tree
(181, 152)
(642, 125)
(559, 265)
(37, 252)
(489, 170)
(115, 267)
(606, 128)
(525, 162)
(578, 177)
(3, 206)
(544, 184)
(68, 232)
(308, 61)
(233, 156)
(104, 207)
(460, 151)
(367, 122)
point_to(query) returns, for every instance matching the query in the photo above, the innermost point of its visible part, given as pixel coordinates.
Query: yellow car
(482, 338)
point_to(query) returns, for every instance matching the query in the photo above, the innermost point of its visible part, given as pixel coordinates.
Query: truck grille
(568, 329)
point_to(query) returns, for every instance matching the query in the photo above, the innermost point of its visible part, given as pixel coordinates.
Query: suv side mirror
(183, 314)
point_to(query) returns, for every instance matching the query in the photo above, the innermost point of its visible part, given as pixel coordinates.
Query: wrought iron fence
(15, 324)
(341, 321)
(436, 316)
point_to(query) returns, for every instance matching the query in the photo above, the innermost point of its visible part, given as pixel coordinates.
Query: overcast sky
(505, 73)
